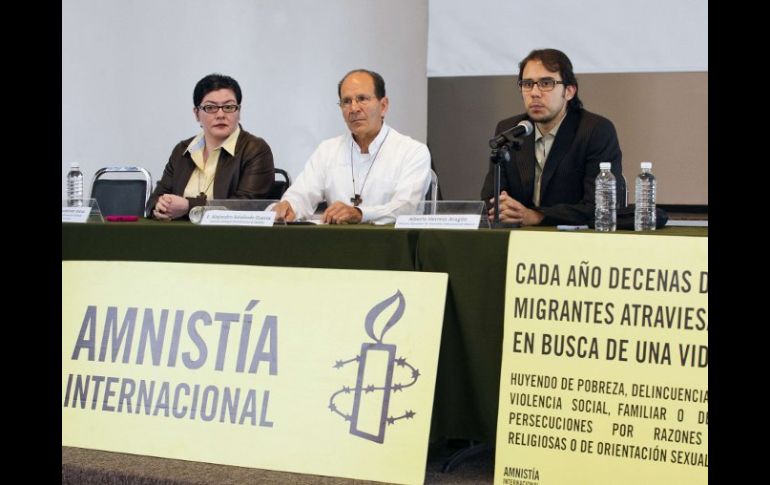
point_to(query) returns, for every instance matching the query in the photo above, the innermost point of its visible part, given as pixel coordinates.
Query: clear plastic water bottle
(74, 185)
(644, 211)
(605, 215)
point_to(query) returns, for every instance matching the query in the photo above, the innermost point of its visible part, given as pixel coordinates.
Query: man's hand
(170, 206)
(283, 211)
(511, 210)
(339, 213)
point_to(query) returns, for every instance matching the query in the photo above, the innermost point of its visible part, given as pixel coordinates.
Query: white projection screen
(129, 68)
(490, 37)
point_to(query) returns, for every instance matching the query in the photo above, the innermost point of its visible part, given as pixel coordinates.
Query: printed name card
(75, 214)
(238, 218)
(438, 221)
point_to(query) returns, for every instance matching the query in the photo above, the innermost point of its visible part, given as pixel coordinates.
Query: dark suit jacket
(246, 175)
(583, 141)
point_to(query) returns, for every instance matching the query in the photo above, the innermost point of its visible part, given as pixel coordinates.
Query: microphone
(524, 128)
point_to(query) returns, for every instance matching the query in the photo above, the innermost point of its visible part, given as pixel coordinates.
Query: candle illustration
(374, 386)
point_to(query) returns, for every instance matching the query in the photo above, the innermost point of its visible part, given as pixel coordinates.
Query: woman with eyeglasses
(221, 162)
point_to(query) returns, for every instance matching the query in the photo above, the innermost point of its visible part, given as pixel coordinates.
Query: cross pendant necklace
(356, 199)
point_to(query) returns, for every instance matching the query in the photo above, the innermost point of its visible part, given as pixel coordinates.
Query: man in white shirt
(371, 174)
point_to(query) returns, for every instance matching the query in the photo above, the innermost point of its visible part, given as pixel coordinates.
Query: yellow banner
(320, 371)
(604, 376)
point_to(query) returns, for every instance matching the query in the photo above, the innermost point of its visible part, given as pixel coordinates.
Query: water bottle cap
(605, 165)
(74, 164)
(646, 164)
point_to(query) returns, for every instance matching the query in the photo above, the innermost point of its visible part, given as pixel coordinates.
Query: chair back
(432, 193)
(121, 196)
(279, 186)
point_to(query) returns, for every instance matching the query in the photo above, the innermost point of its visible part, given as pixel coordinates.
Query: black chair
(121, 196)
(279, 186)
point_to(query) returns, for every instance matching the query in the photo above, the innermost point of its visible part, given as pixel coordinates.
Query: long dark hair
(555, 61)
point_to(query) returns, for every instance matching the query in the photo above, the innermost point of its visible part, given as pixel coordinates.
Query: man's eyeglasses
(545, 84)
(361, 99)
(212, 108)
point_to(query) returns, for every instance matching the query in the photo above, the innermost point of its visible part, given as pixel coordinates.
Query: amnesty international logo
(374, 382)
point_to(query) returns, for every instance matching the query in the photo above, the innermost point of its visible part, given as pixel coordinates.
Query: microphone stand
(502, 153)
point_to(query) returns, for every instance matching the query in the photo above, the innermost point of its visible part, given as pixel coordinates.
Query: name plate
(75, 214)
(438, 221)
(238, 218)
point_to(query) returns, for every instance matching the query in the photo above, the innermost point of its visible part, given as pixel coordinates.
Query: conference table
(467, 383)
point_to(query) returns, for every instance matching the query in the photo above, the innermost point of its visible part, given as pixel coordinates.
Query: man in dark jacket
(550, 180)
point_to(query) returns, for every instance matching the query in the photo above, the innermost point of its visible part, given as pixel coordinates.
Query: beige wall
(660, 117)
